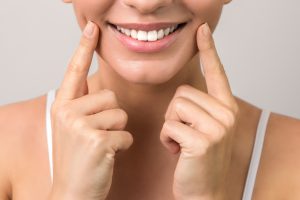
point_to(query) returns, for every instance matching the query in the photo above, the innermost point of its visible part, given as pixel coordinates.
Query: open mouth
(147, 38)
(148, 33)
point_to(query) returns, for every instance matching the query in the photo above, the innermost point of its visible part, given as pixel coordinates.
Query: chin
(147, 72)
(150, 72)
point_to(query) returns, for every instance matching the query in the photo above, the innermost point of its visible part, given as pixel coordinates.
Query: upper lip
(146, 26)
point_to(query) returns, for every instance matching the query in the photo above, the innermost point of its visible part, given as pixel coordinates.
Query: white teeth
(142, 35)
(133, 34)
(172, 29)
(167, 31)
(152, 36)
(160, 34)
(127, 32)
(147, 36)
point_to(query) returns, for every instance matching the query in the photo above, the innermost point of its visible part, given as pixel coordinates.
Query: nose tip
(147, 6)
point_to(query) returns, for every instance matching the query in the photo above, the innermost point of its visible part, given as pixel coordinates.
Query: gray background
(257, 41)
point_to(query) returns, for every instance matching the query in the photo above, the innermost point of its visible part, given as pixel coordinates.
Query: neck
(145, 104)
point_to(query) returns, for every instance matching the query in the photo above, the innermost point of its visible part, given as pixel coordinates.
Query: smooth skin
(196, 144)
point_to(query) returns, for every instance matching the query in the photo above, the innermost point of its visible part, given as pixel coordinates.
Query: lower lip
(145, 46)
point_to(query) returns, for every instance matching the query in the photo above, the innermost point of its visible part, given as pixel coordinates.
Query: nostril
(148, 6)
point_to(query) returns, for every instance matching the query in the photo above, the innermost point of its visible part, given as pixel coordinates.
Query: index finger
(74, 82)
(215, 76)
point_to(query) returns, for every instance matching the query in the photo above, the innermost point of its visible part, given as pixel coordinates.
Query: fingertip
(128, 137)
(206, 30)
(171, 146)
(89, 30)
(203, 36)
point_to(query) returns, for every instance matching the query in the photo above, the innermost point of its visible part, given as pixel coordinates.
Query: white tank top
(255, 158)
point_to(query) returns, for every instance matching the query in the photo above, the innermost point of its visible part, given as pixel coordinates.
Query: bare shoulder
(19, 122)
(280, 161)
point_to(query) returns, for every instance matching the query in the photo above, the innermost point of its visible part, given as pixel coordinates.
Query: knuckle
(221, 130)
(230, 118)
(98, 139)
(79, 123)
(220, 133)
(182, 89)
(63, 113)
(75, 68)
(179, 103)
(110, 95)
(110, 155)
(236, 109)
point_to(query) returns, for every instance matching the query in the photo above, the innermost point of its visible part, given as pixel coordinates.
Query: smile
(147, 37)
(151, 35)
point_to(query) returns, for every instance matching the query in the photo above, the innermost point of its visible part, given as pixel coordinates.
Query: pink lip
(143, 46)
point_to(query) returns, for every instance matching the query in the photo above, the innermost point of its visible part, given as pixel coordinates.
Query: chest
(127, 185)
(132, 184)
(135, 177)
(145, 177)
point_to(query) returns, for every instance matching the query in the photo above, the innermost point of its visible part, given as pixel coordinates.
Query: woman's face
(148, 65)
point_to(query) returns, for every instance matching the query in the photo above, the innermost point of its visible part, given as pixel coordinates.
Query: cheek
(93, 10)
(205, 10)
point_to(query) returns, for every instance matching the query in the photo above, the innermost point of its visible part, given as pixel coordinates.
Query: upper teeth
(147, 36)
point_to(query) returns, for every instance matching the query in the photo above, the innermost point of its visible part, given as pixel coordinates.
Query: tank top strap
(256, 154)
(50, 99)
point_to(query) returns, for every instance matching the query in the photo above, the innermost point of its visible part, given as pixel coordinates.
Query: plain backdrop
(257, 41)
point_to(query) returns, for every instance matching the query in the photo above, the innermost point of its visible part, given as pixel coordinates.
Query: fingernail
(206, 29)
(89, 29)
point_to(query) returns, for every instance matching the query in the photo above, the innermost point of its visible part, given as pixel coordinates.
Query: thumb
(120, 140)
(177, 136)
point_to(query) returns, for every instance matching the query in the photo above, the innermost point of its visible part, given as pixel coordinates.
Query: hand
(87, 130)
(201, 126)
